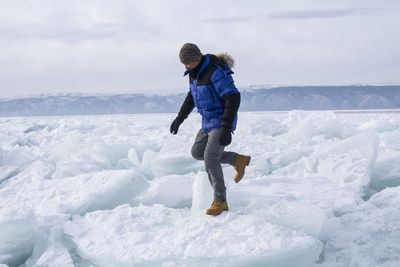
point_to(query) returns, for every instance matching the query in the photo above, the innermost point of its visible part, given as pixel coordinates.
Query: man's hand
(175, 125)
(226, 136)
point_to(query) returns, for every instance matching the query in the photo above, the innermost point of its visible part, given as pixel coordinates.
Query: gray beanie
(189, 53)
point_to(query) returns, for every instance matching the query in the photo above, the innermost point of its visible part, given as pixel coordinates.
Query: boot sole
(216, 214)
(247, 164)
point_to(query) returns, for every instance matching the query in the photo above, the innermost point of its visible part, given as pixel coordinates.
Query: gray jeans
(207, 147)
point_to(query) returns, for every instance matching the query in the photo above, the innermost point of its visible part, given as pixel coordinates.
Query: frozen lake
(322, 189)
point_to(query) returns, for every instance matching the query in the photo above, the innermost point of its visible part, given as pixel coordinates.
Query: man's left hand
(226, 136)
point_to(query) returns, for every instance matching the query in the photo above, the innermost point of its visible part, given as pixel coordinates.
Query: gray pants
(207, 147)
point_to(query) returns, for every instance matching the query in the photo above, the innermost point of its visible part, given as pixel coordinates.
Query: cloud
(122, 45)
(295, 15)
(320, 13)
(223, 20)
(75, 21)
(63, 33)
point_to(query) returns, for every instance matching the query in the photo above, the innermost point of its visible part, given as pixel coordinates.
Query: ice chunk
(261, 123)
(367, 237)
(202, 192)
(133, 157)
(48, 235)
(295, 215)
(388, 198)
(7, 171)
(386, 172)
(270, 193)
(350, 161)
(156, 234)
(308, 124)
(163, 165)
(113, 152)
(170, 191)
(103, 190)
(26, 141)
(147, 159)
(35, 127)
(66, 147)
(288, 157)
(77, 194)
(307, 132)
(174, 157)
(156, 164)
(73, 151)
(124, 164)
(17, 235)
(40, 168)
(56, 254)
(79, 164)
(380, 126)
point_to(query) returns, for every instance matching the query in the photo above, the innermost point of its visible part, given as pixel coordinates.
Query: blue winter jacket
(209, 89)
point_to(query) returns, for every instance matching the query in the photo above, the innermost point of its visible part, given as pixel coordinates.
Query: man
(217, 99)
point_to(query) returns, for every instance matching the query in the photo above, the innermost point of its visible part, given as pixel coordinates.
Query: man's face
(191, 65)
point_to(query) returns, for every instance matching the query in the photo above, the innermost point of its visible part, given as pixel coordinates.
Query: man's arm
(232, 103)
(186, 107)
(226, 89)
(183, 113)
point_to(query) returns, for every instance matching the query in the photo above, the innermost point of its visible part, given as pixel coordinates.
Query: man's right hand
(175, 125)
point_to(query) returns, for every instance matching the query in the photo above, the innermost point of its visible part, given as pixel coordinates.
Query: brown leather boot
(217, 207)
(241, 162)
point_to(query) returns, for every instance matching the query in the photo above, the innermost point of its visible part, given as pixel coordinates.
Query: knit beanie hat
(189, 53)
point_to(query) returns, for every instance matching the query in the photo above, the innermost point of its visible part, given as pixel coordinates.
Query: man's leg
(212, 161)
(229, 157)
(199, 145)
(239, 162)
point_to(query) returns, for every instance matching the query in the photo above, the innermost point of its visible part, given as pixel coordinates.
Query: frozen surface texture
(322, 189)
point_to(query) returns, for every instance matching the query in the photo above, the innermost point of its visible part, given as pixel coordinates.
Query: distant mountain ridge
(322, 98)
(261, 99)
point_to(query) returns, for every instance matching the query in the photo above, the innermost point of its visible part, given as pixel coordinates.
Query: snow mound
(309, 124)
(173, 191)
(350, 161)
(388, 198)
(77, 194)
(347, 162)
(156, 234)
(321, 190)
(369, 236)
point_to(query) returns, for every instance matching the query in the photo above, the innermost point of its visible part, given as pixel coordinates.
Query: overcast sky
(125, 46)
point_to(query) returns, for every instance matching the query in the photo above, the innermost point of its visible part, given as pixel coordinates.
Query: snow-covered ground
(323, 189)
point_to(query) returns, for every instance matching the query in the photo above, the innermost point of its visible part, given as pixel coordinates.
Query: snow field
(322, 189)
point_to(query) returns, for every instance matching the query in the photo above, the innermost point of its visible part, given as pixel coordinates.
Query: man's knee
(196, 154)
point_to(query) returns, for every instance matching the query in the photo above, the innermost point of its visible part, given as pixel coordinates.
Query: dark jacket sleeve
(187, 107)
(232, 103)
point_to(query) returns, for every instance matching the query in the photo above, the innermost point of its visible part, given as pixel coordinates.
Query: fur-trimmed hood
(227, 59)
